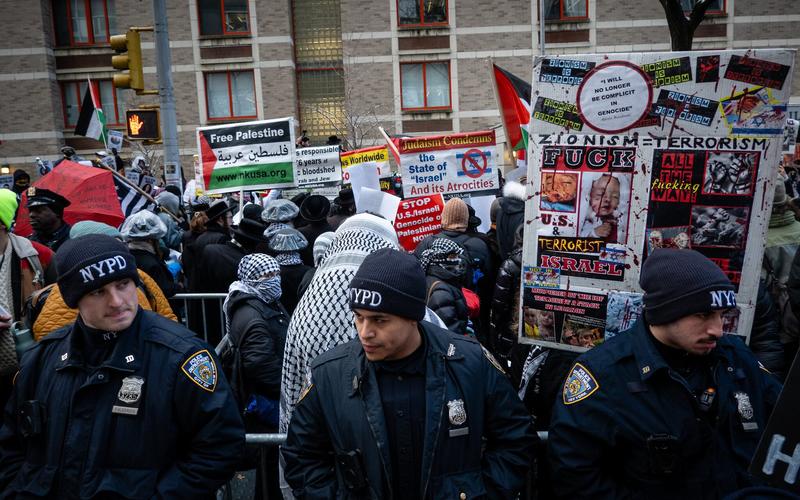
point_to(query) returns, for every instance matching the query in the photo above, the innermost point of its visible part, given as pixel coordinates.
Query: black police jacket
(478, 443)
(628, 426)
(156, 419)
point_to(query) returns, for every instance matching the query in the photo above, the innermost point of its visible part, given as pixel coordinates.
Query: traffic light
(132, 61)
(142, 125)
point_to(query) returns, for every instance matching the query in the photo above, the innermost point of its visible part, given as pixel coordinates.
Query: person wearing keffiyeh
(256, 324)
(445, 269)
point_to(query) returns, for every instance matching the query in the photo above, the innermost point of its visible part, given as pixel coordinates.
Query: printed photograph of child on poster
(719, 226)
(559, 192)
(539, 325)
(604, 206)
(581, 331)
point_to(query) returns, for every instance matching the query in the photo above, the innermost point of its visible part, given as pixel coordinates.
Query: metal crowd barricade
(202, 299)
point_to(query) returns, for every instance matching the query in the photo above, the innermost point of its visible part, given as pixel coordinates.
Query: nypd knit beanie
(90, 262)
(389, 281)
(679, 283)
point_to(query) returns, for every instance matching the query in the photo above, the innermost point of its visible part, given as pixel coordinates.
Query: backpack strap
(430, 290)
(38, 270)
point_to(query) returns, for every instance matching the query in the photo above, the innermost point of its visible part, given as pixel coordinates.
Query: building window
(230, 94)
(223, 17)
(566, 10)
(111, 102)
(717, 7)
(422, 12)
(425, 85)
(83, 22)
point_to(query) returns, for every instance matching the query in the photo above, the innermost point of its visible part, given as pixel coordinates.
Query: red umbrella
(90, 191)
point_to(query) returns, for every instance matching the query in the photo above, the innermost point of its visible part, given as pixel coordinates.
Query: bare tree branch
(681, 28)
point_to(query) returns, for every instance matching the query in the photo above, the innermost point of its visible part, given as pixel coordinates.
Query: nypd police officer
(46, 209)
(407, 409)
(671, 408)
(122, 403)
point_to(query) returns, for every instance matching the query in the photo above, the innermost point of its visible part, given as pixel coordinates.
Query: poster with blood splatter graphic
(599, 204)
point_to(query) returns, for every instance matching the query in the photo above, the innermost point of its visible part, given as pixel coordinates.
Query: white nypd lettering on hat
(102, 268)
(723, 298)
(362, 297)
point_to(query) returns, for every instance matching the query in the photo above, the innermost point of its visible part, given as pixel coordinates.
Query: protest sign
(790, 132)
(711, 93)
(251, 155)
(644, 151)
(418, 218)
(114, 140)
(455, 163)
(601, 204)
(317, 166)
(6, 181)
(134, 177)
(109, 161)
(363, 176)
(378, 202)
(148, 183)
(777, 458)
(377, 157)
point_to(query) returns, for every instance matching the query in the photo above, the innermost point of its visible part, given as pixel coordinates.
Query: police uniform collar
(648, 359)
(124, 357)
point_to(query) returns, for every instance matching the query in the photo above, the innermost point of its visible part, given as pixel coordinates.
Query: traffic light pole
(169, 122)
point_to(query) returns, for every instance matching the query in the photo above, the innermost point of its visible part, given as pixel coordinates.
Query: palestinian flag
(514, 101)
(92, 121)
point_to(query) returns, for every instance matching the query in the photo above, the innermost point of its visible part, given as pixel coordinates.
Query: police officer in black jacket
(406, 410)
(671, 408)
(123, 403)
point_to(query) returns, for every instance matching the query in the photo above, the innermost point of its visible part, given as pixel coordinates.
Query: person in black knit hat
(117, 371)
(378, 401)
(675, 404)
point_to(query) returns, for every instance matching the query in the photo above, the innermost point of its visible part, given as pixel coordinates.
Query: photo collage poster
(632, 152)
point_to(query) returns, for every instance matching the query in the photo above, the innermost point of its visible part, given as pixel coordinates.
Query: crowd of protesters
(395, 374)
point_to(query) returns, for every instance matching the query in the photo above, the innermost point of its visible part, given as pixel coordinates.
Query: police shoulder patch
(580, 384)
(492, 360)
(201, 369)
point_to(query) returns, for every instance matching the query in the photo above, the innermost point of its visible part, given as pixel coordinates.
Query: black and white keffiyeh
(251, 269)
(439, 253)
(322, 319)
(288, 258)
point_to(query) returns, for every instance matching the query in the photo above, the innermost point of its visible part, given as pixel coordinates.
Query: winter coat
(55, 314)
(764, 335)
(478, 440)
(259, 329)
(174, 234)
(446, 300)
(156, 418)
(218, 266)
(192, 255)
(291, 277)
(512, 214)
(628, 425)
(476, 253)
(504, 313)
(157, 269)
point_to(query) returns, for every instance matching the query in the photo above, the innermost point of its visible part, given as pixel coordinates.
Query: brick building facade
(412, 68)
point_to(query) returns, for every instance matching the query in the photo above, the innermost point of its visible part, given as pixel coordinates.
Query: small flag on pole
(514, 96)
(92, 121)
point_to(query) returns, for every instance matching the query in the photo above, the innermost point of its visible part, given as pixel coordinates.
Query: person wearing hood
(174, 235)
(444, 267)
(256, 324)
(217, 231)
(505, 301)
(511, 215)
(279, 214)
(286, 245)
(142, 231)
(314, 211)
(22, 181)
